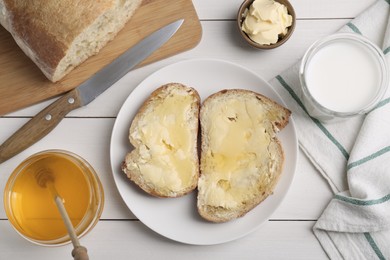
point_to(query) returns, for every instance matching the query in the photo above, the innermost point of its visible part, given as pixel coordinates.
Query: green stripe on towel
(381, 104)
(387, 50)
(363, 202)
(354, 28)
(374, 246)
(368, 158)
(316, 121)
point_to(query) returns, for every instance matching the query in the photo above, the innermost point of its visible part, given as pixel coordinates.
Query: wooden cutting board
(23, 84)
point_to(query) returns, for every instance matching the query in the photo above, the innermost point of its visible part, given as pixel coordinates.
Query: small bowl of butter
(266, 24)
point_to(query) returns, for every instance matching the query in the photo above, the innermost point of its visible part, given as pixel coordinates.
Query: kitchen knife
(46, 120)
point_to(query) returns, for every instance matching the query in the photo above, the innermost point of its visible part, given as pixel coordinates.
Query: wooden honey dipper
(46, 180)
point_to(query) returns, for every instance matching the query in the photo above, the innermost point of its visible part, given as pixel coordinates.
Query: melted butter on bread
(164, 133)
(166, 143)
(238, 148)
(241, 158)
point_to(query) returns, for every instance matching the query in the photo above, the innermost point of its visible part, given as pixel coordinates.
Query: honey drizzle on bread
(241, 157)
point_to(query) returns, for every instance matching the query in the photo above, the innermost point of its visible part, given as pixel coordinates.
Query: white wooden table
(119, 235)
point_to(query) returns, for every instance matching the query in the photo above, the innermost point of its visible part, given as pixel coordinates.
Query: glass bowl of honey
(31, 209)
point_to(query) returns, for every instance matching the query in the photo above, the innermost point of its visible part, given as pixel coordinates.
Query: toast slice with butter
(241, 158)
(164, 133)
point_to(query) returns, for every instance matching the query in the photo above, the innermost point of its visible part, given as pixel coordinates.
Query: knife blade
(46, 120)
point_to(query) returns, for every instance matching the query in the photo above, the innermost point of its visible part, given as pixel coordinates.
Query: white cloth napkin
(353, 156)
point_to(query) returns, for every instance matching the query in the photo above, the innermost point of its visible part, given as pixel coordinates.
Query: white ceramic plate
(177, 218)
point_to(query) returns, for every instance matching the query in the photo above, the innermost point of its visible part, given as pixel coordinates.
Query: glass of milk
(342, 75)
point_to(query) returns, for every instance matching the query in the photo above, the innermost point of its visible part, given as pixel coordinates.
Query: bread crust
(149, 103)
(48, 31)
(221, 214)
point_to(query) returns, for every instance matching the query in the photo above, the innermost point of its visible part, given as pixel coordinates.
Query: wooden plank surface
(86, 131)
(124, 240)
(23, 84)
(304, 9)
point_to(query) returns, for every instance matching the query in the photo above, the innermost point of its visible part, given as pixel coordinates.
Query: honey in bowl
(31, 208)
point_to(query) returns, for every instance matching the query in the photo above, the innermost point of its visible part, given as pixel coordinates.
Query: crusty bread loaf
(164, 133)
(241, 157)
(60, 35)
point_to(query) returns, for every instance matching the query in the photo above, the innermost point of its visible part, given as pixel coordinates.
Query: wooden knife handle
(40, 125)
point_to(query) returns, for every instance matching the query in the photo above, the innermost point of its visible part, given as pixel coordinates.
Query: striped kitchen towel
(353, 156)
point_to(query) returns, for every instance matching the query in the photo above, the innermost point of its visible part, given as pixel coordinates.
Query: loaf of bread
(164, 133)
(60, 35)
(241, 158)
